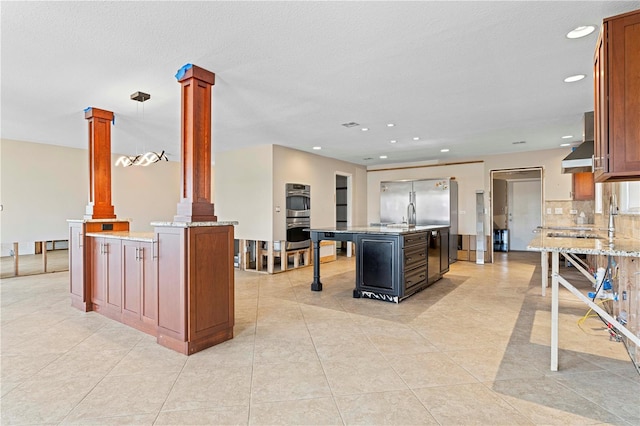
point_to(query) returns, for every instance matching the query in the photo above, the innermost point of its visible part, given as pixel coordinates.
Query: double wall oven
(298, 215)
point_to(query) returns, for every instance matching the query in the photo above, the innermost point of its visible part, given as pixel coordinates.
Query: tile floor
(471, 349)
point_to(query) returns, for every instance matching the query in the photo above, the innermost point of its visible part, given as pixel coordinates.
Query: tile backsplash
(569, 213)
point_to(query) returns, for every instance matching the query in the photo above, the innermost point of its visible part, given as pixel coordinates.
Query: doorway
(343, 210)
(516, 207)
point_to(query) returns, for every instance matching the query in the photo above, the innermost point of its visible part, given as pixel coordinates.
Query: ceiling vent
(350, 124)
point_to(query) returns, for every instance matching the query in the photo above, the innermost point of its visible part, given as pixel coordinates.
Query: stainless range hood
(581, 158)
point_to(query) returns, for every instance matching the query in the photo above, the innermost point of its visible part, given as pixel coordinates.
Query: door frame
(349, 177)
(494, 172)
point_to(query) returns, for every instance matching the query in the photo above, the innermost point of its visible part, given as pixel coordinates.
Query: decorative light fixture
(148, 157)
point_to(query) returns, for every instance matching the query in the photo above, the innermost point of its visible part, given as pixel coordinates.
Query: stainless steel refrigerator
(435, 200)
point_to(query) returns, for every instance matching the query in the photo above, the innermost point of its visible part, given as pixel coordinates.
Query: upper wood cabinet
(617, 99)
(583, 186)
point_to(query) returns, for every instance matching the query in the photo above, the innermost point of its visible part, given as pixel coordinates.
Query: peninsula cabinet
(139, 285)
(195, 284)
(617, 103)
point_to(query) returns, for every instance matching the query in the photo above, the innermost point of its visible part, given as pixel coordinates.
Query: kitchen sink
(573, 235)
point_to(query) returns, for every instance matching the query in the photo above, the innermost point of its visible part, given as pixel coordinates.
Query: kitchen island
(581, 241)
(392, 262)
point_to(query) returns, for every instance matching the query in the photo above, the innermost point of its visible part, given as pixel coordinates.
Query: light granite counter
(375, 229)
(192, 224)
(148, 237)
(568, 242)
(578, 242)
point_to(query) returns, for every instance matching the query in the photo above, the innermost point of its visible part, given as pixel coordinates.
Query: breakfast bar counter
(570, 242)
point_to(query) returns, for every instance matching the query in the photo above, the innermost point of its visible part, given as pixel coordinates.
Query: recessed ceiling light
(390, 124)
(364, 129)
(317, 147)
(444, 150)
(383, 156)
(567, 137)
(393, 141)
(581, 31)
(565, 144)
(416, 138)
(574, 78)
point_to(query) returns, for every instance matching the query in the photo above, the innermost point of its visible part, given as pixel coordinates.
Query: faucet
(411, 211)
(613, 210)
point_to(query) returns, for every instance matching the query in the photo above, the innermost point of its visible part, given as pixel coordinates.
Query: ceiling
(471, 77)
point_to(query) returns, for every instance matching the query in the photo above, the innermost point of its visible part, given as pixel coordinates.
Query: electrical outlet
(558, 210)
(548, 210)
(573, 211)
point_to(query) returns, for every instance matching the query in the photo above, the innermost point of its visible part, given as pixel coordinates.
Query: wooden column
(195, 156)
(99, 206)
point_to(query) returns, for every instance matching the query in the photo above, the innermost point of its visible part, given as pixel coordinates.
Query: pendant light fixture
(149, 157)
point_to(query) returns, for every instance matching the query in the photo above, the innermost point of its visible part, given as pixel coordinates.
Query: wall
(244, 191)
(469, 178)
(293, 166)
(473, 176)
(44, 185)
(250, 185)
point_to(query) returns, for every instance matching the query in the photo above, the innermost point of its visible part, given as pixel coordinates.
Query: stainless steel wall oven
(298, 215)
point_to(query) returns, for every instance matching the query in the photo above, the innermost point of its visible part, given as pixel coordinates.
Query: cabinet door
(601, 115)
(98, 271)
(149, 283)
(76, 261)
(378, 262)
(113, 253)
(131, 270)
(624, 95)
(444, 251)
(584, 188)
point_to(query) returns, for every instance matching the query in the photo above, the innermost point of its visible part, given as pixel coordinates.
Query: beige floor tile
(401, 342)
(289, 381)
(113, 337)
(124, 395)
(545, 401)
(468, 404)
(44, 401)
(22, 367)
(237, 352)
(619, 395)
(233, 415)
(495, 364)
(129, 420)
(76, 364)
(388, 408)
(149, 360)
(204, 390)
(317, 411)
(354, 376)
(430, 369)
(279, 350)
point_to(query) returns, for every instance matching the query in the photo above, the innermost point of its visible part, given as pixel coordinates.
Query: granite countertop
(192, 224)
(125, 235)
(378, 229)
(582, 240)
(97, 220)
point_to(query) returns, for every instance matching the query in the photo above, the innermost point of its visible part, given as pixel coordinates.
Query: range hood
(581, 158)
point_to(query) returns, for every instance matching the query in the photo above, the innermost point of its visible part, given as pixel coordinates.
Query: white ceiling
(473, 77)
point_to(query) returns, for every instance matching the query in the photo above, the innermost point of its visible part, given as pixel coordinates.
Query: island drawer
(413, 278)
(415, 256)
(415, 239)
